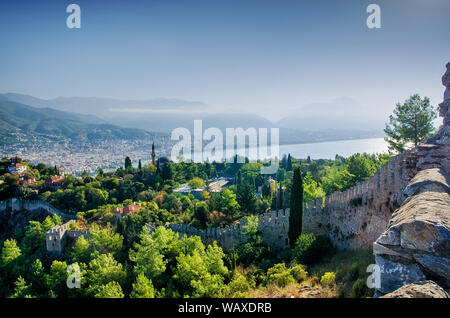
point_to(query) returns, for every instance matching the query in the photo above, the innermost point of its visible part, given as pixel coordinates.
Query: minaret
(153, 154)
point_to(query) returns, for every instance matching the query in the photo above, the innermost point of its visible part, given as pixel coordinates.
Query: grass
(349, 266)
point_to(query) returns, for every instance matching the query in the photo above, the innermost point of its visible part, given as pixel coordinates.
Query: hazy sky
(268, 57)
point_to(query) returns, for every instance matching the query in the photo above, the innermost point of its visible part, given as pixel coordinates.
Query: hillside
(22, 123)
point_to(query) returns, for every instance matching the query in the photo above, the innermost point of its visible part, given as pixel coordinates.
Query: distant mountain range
(23, 122)
(81, 118)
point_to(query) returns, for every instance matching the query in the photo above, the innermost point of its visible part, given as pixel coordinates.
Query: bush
(328, 279)
(309, 249)
(353, 273)
(298, 272)
(360, 289)
(279, 275)
(237, 288)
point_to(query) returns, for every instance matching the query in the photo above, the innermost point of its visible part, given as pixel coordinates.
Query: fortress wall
(16, 205)
(356, 217)
(352, 219)
(273, 225)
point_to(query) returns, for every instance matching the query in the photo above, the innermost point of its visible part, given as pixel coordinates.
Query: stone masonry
(415, 247)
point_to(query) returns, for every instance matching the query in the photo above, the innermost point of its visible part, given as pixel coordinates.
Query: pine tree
(296, 210)
(143, 287)
(411, 123)
(140, 165)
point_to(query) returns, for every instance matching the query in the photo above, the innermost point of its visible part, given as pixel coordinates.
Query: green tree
(246, 198)
(21, 289)
(296, 209)
(10, 252)
(102, 270)
(201, 214)
(105, 240)
(196, 183)
(201, 272)
(228, 202)
(128, 164)
(360, 168)
(289, 163)
(110, 290)
(410, 123)
(143, 287)
(146, 254)
(311, 190)
(56, 280)
(81, 250)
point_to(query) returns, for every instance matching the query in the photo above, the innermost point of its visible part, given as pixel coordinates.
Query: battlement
(16, 205)
(273, 225)
(55, 238)
(356, 217)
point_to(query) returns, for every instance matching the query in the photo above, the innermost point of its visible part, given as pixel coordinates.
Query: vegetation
(296, 211)
(410, 123)
(122, 258)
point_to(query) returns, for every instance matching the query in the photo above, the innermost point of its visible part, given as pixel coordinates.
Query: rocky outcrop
(416, 245)
(423, 289)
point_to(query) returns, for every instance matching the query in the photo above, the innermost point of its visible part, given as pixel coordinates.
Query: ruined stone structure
(56, 238)
(273, 226)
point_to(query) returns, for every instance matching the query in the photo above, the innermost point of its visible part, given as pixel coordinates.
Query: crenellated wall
(356, 217)
(15, 205)
(273, 225)
(352, 219)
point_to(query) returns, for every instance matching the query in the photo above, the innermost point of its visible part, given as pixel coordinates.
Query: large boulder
(423, 289)
(416, 245)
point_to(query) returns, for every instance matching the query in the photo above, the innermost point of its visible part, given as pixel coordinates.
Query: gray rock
(439, 266)
(446, 76)
(423, 289)
(394, 275)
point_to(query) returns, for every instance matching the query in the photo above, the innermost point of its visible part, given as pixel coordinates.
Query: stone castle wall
(273, 225)
(415, 247)
(352, 219)
(356, 217)
(15, 205)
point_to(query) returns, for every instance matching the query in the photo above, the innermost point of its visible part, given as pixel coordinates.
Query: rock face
(423, 289)
(416, 245)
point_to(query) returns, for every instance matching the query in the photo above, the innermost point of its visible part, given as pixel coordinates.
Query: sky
(272, 58)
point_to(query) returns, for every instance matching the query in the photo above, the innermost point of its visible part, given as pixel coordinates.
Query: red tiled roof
(128, 209)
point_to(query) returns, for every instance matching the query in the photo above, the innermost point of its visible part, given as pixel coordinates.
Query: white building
(17, 168)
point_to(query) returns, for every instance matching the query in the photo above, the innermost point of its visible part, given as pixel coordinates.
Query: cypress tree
(289, 163)
(296, 210)
(128, 163)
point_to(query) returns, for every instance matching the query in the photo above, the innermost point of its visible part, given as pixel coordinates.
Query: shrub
(360, 289)
(298, 272)
(353, 273)
(237, 288)
(328, 279)
(309, 249)
(279, 275)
